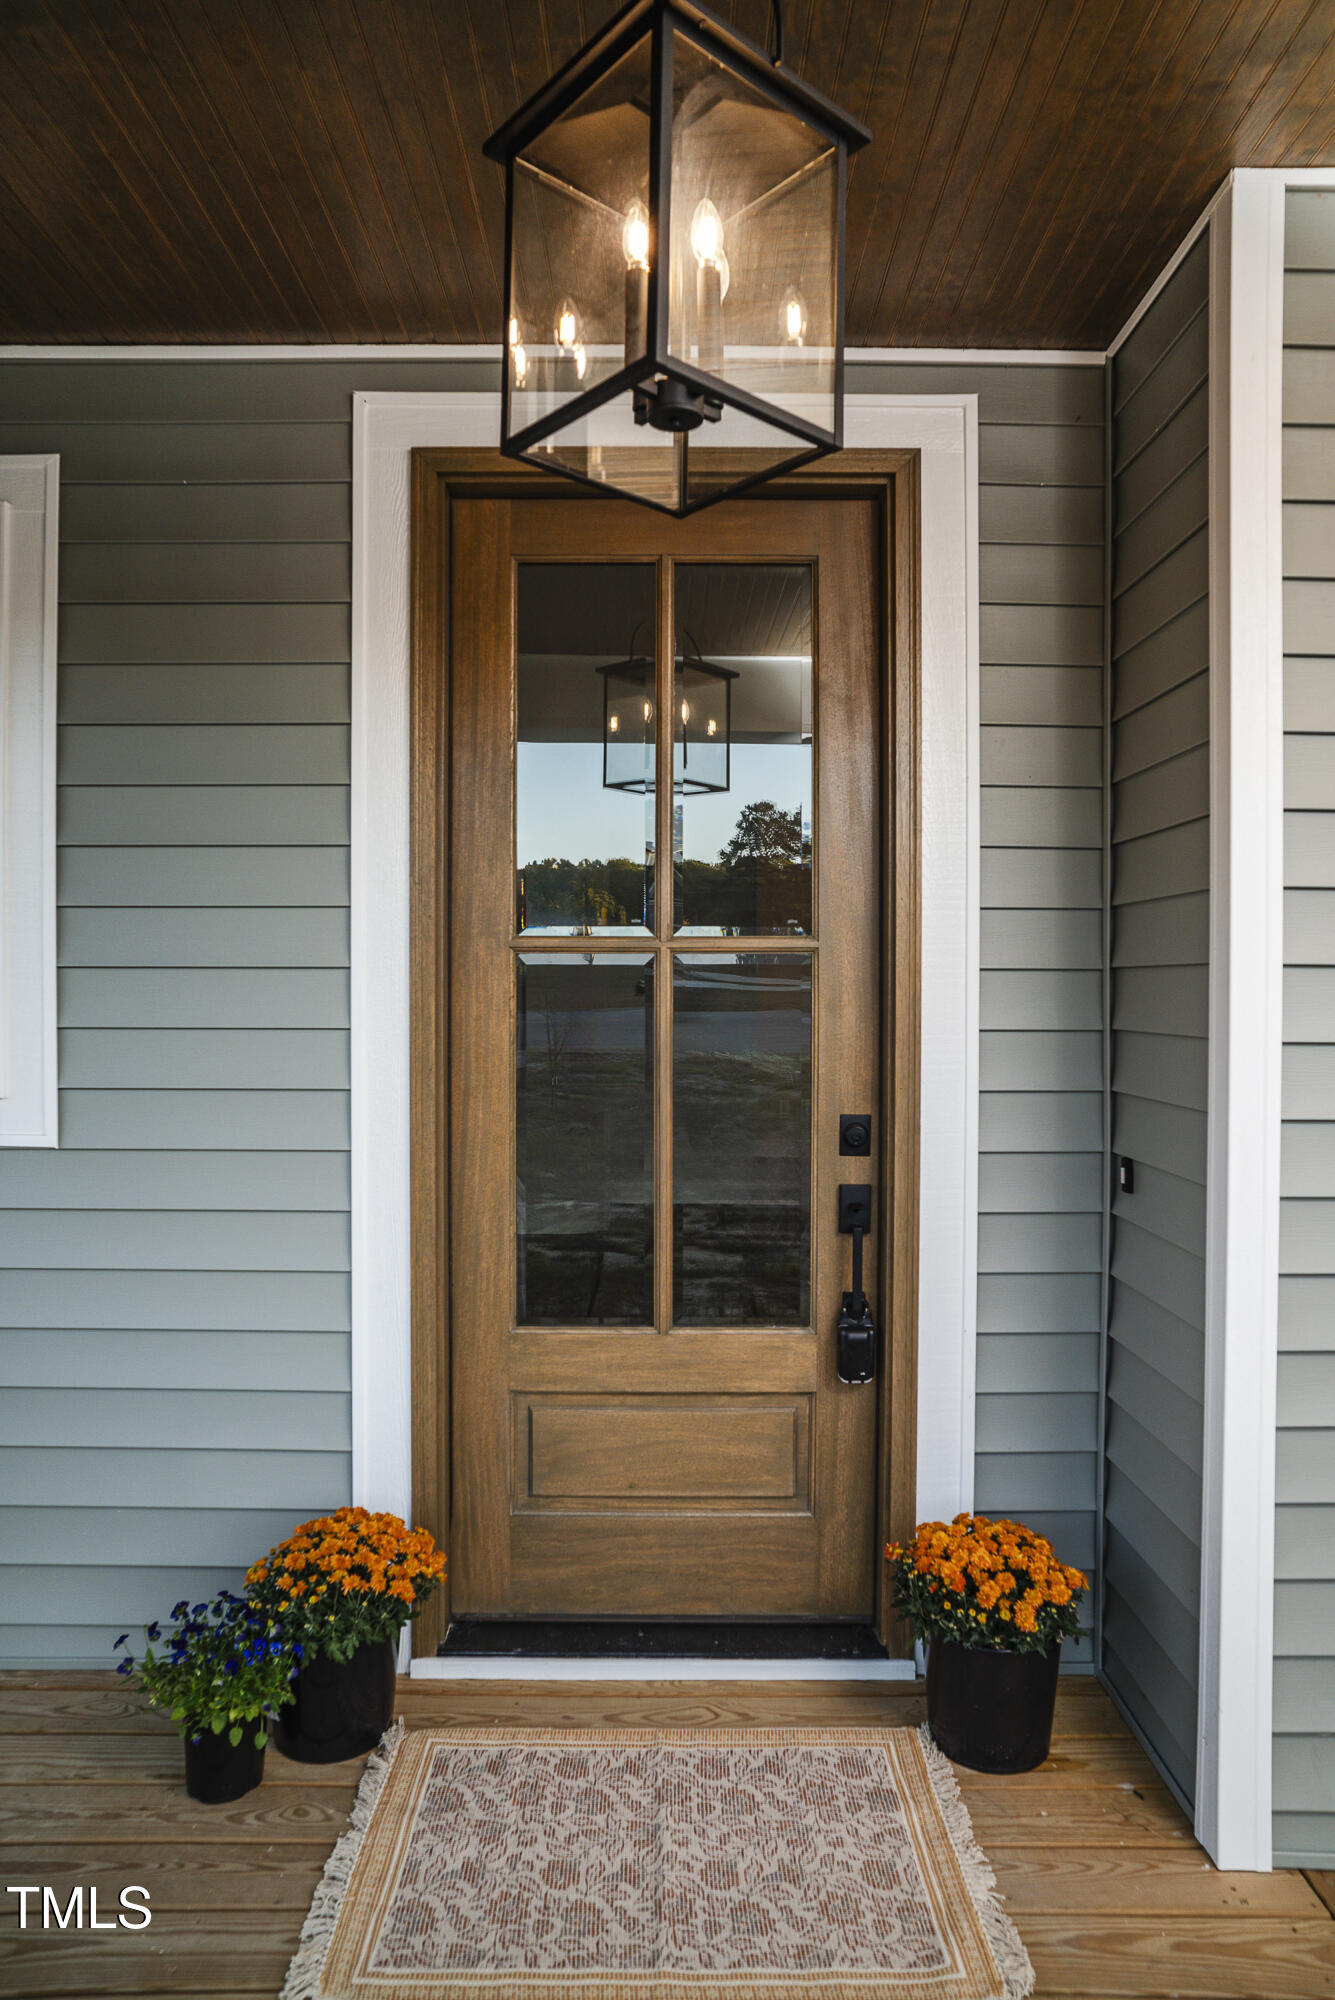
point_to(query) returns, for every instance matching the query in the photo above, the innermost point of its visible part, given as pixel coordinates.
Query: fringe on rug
(1003, 1940)
(303, 1975)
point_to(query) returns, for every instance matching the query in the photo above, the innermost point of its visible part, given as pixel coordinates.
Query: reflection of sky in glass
(565, 813)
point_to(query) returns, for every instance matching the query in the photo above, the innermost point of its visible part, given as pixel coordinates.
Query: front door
(666, 825)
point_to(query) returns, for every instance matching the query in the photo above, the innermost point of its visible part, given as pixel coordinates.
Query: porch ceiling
(310, 170)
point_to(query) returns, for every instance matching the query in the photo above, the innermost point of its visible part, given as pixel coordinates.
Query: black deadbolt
(855, 1132)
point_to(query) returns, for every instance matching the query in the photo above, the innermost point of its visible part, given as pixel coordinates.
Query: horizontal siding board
(274, 754)
(1039, 573)
(204, 1058)
(1050, 1243)
(1032, 395)
(126, 1358)
(1173, 931)
(1169, 794)
(1058, 879)
(1047, 756)
(217, 693)
(1167, 1135)
(1172, 862)
(253, 999)
(1009, 1482)
(1304, 1698)
(1166, 389)
(240, 392)
(1309, 1080)
(1309, 1003)
(1308, 463)
(1018, 1060)
(1163, 593)
(1164, 525)
(127, 453)
(300, 1482)
(155, 1538)
(1161, 1409)
(1141, 478)
(1167, 1206)
(1069, 817)
(1141, 1526)
(172, 1240)
(1304, 1473)
(1041, 1000)
(1162, 1701)
(1306, 1240)
(1173, 1486)
(1309, 537)
(1175, 1624)
(1309, 615)
(1012, 1364)
(217, 573)
(294, 512)
(1305, 1773)
(204, 816)
(277, 1120)
(1163, 728)
(1040, 1122)
(225, 1420)
(1160, 1270)
(1309, 849)
(1042, 940)
(1028, 454)
(139, 634)
(1059, 635)
(1305, 1545)
(195, 880)
(1160, 1338)
(1309, 383)
(1307, 1159)
(1163, 322)
(1150, 998)
(1305, 1620)
(118, 1179)
(1035, 1422)
(1306, 1314)
(1038, 1302)
(221, 936)
(1309, 926)
(1054, 697)
(1307, 1391)
(1069, 516)
(1045, 1183)
(1309, 230)
(1176, 653)
(1168, 1069)
(1309, 773)
(305, 1301)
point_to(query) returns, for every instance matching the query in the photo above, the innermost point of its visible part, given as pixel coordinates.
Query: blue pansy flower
(180, 1608)
(155, 1630)
(229, 1666)
(199, 1611)
(125, 1667)
(123, 1640)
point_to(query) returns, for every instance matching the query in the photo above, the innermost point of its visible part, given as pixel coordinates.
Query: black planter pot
(339, 1707)
(991, 1711)
(216, 1770)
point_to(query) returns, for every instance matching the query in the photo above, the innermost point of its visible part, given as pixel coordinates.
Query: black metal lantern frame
(671, 394)
(640, 672)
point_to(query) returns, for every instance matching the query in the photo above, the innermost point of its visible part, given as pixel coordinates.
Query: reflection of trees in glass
(765, 832)
(594, 894)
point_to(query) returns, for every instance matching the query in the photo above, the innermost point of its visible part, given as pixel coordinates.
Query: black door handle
(855, 1349)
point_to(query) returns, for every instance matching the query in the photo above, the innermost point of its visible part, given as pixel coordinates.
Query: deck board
(1112, 1895)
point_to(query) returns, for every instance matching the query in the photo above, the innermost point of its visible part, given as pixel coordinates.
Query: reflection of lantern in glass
(671, 167)
(702, 754)
(628, 722)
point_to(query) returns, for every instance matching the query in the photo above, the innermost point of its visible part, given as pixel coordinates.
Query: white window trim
(29, 545)
(387, 426)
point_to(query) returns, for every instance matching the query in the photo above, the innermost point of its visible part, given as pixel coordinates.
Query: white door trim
(386, 428)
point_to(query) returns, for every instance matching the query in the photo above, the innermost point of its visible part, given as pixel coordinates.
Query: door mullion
(664, 885)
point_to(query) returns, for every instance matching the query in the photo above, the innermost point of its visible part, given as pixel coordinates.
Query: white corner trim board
(29, 507)
(1233, 1762)
(386, 428)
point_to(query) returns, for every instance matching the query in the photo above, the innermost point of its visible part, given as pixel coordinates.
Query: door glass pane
(742, 743)
(584, 1141)
(584, 778)
(741, 1147)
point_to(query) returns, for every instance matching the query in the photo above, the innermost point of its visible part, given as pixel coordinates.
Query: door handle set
(855, 1349)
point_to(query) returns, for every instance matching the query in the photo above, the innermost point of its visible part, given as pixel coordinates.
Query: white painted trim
(1233, 1755)
(386, 427)
(29, 556)
(536, 1668)
(388, 350)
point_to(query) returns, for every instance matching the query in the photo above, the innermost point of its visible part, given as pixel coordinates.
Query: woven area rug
(651, 1864)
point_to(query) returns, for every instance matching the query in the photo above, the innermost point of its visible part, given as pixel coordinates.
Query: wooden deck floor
(1110, 1891)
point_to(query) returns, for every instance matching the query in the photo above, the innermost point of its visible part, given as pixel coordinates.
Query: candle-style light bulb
(635, 248)
(648, 710)
(567, 326)
(794, 320)
(711, 284)
(613, 724)
(711, 727)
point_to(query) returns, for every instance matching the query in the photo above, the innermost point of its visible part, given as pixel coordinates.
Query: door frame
(942, 427)
(440, 477)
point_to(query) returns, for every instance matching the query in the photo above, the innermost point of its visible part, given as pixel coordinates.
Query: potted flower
(992, 1604)
(223, 1668)
(342, 1587)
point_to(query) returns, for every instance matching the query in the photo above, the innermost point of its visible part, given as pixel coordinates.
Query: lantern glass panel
(754, 240)
(579, 244)
(606, 445)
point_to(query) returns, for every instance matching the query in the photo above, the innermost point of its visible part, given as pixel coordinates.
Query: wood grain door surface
(643, 1110)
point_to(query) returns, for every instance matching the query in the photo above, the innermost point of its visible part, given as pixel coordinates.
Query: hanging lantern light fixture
(674, 282)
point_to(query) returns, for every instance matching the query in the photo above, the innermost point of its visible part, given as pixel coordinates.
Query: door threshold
(532, 1667)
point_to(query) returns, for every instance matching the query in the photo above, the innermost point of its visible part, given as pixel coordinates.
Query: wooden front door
(666, 824)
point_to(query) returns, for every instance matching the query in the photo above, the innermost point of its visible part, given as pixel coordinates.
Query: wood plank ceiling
(309, 170)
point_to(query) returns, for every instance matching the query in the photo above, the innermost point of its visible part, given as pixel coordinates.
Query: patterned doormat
(653, 1864)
